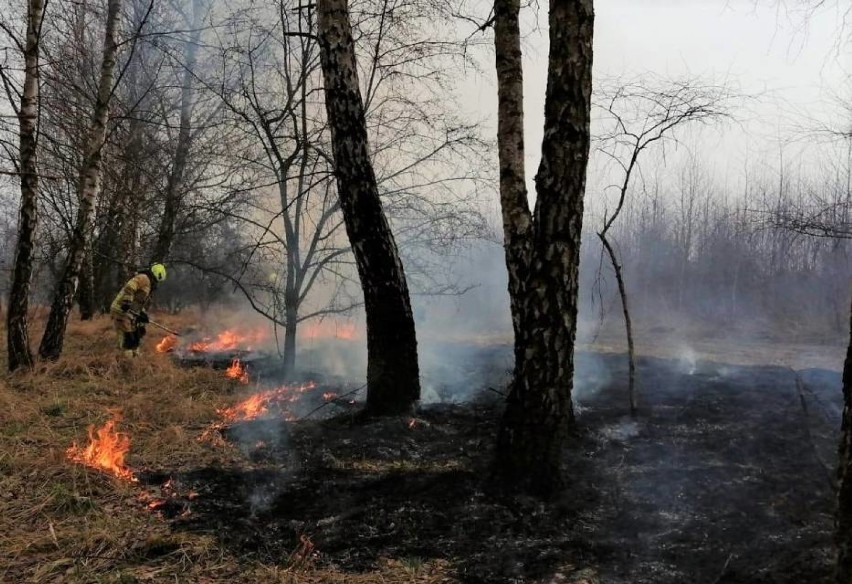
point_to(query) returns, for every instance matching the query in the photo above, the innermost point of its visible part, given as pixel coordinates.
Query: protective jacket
(137, 292)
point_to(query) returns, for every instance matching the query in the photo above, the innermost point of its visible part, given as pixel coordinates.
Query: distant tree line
(774, 256)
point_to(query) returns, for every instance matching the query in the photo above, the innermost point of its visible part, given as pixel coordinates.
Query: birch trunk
(539, 410)
(393, 378)
(87, 190)
(517, 220)
(18, 341)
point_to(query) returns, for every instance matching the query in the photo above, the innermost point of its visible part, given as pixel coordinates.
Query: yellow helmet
(159, 272)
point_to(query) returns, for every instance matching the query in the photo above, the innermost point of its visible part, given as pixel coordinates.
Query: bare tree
(393, 376)
(426, 161)
(176, 176)
(88, 187)
(543, 248)
(18, 342)
(644, 112)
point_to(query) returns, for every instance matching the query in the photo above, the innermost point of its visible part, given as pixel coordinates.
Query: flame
(167, 344)
(329, 395)
(412, 423)
(228, 340)
(106, 450)
(237, 371)
(258, 404)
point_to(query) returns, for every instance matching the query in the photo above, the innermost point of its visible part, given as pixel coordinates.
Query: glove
(125, 305)
(142, 318)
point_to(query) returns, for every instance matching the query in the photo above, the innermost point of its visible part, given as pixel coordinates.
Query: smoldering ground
(721, 477)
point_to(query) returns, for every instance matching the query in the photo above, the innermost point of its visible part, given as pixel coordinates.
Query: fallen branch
(318, 408)
(495, 391)
(724, 569)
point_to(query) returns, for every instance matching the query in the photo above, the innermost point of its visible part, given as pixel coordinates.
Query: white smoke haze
(623, 431)
(687, 360)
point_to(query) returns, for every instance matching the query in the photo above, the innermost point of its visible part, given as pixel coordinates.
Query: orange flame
(411, 423)
(167, 344)
(329, 395)
(228, 340)
(237, 371)
(106, 450)
(259, 404)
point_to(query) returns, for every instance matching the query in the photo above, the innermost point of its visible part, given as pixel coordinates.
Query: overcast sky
(753, 45)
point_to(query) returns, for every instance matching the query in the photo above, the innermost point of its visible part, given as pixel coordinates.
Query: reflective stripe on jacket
(137, 291)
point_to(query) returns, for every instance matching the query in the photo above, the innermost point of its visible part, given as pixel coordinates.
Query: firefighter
(128, 309)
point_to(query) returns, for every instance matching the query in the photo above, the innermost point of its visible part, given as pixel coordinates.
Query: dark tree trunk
(86, 292)
(88, 186)
(291, 293)
(393, 378)
(628, 323)
(18, 340)
(843, 534)
(290, 328)
(106, 271)
(539, 410)
(175, 181)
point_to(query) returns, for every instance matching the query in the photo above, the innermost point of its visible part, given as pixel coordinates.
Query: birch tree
(543, 246)
(18, 342)
(87, 189)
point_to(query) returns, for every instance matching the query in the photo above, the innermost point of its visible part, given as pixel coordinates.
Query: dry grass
(61, 522)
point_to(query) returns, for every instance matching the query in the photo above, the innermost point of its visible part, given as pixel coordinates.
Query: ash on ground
(723, 477)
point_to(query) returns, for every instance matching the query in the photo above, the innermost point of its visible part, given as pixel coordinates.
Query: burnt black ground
(723, 477)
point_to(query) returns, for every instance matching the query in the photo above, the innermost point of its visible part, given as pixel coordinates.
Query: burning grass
(238, 372)
(66, 522)
(229, 340)
(260, 403)
(106, 450)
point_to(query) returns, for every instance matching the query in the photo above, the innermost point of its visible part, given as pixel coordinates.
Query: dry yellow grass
(61, 522)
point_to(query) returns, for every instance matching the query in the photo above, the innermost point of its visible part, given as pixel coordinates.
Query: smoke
(591, 374)
(687, 360)
(623, 431)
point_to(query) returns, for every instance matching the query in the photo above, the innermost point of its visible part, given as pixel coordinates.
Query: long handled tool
(156, 324)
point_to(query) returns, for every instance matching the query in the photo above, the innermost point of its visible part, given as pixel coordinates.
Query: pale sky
(750, 44)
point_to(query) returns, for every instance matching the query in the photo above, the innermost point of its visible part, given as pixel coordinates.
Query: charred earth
(723, 477)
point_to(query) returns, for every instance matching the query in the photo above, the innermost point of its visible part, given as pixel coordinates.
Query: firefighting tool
(156, 324)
